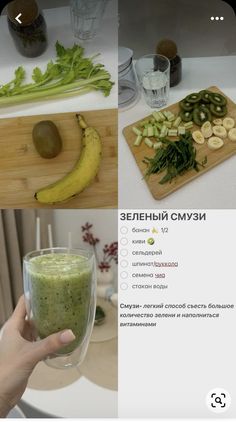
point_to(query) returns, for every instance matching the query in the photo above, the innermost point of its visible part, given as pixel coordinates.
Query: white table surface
(59, 28)
(216, 188)
(82, 399)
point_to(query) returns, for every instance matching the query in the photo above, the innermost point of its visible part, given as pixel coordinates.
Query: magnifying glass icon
(218, 400)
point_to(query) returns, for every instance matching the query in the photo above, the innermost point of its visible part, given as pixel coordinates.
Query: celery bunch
(70, 74)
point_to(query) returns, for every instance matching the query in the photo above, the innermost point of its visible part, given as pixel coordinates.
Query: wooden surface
(23, 171)
(213, 157)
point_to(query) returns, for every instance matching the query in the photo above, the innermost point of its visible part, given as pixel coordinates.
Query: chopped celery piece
(152, 120)
(156, 132)
(161, 116)
(177, 122)
(156, 116)
(167, 124)
(157, 145)
(188, 125)
(172, 132)
(181, 130)
(148, 142)
(144, 122)
(145, 131)
(138, 140)
(136, 131)
(150, 131)
(164, 131)
(171, 118)
(169, 115)
(159, 126)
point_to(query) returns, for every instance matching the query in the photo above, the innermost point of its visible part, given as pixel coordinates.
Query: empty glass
(86, 17)
(153, 73)
(60, 292)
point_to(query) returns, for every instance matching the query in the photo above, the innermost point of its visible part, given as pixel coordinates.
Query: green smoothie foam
(60, 295)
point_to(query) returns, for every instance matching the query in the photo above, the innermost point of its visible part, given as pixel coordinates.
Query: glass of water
(153, 73)
(86, 17)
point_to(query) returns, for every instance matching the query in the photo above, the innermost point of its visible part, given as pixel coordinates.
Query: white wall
(143, 23)
(49, 4)
(104, 222)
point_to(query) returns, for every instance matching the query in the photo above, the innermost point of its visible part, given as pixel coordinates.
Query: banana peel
(83, 173)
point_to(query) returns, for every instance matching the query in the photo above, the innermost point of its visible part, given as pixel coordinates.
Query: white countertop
(59, 28)
(216, 188)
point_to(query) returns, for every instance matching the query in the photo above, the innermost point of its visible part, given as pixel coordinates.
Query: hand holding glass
(60, 291)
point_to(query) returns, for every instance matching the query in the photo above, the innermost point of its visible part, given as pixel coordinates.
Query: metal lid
(27, 9)
(125, 56)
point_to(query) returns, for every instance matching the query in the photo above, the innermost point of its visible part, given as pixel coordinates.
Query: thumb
(51, 344)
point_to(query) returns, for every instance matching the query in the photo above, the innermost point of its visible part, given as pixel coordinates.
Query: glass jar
(60, 293)
(175, 71)
(127, 80)
(29, 36)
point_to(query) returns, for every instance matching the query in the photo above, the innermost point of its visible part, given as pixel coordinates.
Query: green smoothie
(60, 289)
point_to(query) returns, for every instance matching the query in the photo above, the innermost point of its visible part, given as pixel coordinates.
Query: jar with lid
(168, 48)
(30, 34)
(127, 80)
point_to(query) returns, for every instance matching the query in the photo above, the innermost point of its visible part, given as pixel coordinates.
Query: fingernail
(67, 336)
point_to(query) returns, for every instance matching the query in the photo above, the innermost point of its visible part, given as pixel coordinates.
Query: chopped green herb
(176, 157)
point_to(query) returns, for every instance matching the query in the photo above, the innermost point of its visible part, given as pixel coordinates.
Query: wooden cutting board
(213, 157)
(23, 171)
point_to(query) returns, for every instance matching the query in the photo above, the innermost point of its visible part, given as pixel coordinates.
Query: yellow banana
(83, 172)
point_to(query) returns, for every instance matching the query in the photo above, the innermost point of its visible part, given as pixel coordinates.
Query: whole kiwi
(167, 48)
(47, 139)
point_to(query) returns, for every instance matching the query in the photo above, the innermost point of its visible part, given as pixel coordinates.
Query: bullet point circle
(217, 18)
(123, 241)
(212, 18)
(124, 274)
(124, 263)
(124, 286)
(124, 252)
(124, 230)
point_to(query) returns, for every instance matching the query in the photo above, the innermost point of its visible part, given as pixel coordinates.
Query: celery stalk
(71, 74)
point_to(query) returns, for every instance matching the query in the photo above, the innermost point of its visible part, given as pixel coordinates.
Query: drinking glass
(153, 73)
(86, 17)
(60, 292)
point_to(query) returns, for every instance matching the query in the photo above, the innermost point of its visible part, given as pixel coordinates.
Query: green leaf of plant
(37, 75)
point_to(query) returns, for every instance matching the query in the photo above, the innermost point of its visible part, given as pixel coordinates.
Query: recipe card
(177, 313)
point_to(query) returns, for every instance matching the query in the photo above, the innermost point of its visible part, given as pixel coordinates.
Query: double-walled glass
(60, 291)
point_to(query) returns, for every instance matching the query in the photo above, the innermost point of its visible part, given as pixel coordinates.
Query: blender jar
(128, 86)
